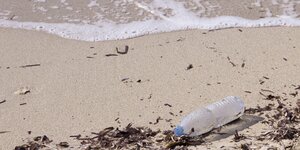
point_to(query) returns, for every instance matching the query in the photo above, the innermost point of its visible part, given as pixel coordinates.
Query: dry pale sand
(77, 89)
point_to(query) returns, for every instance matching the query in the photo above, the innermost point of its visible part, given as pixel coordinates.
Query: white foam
(257, 3)
(154, 18)
(41, 1)
(41, 9)
(268, 12)
(64, 2)
(274, 2)
(113, 32)
(69, 8)
(93, 3)
(54, 7)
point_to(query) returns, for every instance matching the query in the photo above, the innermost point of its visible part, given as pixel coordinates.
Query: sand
(74, 88)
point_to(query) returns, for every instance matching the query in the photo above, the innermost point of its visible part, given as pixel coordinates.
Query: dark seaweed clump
(113, 138)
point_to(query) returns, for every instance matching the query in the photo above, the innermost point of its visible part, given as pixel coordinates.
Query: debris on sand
(37, 143)
(169, 105)
(190, 66)
(122, 50)
(2, 132)
(33, 65)
(259, 109)
(2, 101)
(245, 146)
(294, 94)
(63, 144)
(114, 138)
(23, 104)
(283, 120)
(243, 65)
(228, 58)
(238, 137)
(266, 90)
(22, 91)
(157, 120)
(129, 137)
(109, 55)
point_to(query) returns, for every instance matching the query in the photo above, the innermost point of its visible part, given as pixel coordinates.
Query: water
(98, 20)
(212, 116)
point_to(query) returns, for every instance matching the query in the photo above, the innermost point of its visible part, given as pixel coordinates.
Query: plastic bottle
(212, 116)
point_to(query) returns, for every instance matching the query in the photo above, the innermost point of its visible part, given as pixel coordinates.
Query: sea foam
(153, 17)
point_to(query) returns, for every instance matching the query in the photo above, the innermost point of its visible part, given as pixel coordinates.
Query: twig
(33, 65)
(264, 90)
(3, 101)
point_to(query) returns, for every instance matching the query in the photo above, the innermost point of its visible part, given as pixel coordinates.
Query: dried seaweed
(190, 66)
(129, 137)
(2, 101)
(294, 94)
(38, 142)
(272, 97)
(238, 137)
(245, 147)
(258, 109)
(182, 142)
(284, 121)
(33, 65)
(63, 144)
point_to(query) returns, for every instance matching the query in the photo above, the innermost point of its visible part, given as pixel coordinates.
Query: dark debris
(109, 55)
(63, 144)
(33, 65)
(37, 143)
(233, 65)
(3, 101)
(238, 137)
(190, 66)
(283, 120)
(169, 105)
(122, 50)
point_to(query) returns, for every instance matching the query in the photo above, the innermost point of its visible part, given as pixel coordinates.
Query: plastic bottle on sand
(212, 116)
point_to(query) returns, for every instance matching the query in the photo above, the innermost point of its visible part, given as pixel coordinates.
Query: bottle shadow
(232, 128)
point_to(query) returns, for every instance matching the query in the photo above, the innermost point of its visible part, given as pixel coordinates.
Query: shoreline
(94, 33)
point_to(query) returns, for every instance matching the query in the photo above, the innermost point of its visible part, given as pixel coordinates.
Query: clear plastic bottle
(212, 116)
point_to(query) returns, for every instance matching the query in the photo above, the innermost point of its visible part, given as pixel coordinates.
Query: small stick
(3, 101)
(33, 65)
(264, 90)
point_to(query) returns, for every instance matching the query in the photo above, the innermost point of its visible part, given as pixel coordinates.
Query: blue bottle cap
(178, 131)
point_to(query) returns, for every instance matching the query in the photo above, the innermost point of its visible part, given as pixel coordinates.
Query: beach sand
(74, 88)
